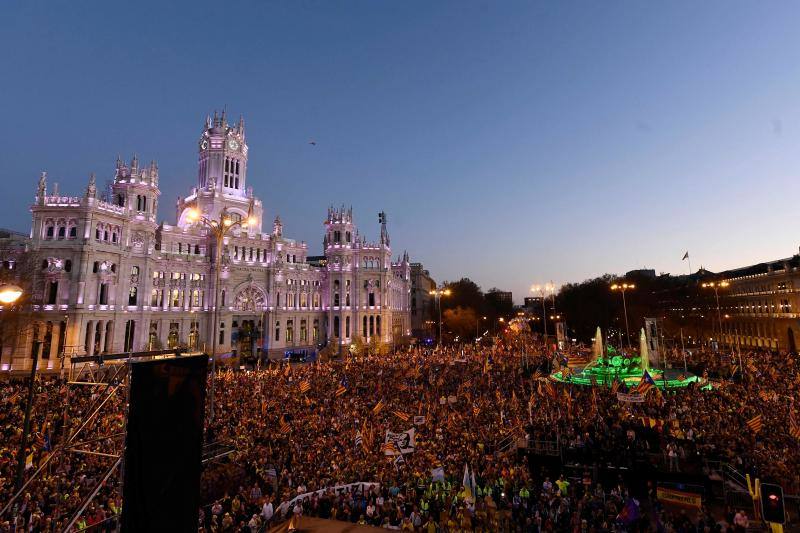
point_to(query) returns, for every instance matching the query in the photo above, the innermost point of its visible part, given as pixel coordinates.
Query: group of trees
(468, 312)
(679, 301)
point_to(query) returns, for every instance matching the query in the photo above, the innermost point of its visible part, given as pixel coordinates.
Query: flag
(341, 390)
(682, 377)
(399, 461)
(437, 474)
(305, 386)
(401, 415)
(388, 448)
(755, 424)
(551, 390)
(29, 461)
(536, 375)
(794, 427)
(645, 384)
(359, 439)
(465, 482)
(284, 426)
(685, 256)
(378, 407)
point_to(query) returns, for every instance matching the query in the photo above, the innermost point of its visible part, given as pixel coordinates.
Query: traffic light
(772, 503)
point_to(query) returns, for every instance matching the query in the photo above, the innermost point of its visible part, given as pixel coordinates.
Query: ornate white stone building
(110, 278)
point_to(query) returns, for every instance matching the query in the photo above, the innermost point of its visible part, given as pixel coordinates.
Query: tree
(460, 321)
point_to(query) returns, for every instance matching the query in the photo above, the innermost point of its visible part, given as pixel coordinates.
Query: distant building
(422, 302)
(759, 305)
(642, 273)
(533, 303)
(110, 278)
(500, 298)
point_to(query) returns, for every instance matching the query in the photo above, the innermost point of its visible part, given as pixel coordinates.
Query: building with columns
(110, 278)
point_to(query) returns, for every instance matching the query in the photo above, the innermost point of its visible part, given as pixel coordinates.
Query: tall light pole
(622, 287)
(9, 294)
(438, 293)
(219, 229)
(717, 285)
(477, 326)
(542, 291)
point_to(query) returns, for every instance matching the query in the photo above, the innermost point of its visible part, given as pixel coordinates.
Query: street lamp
(624, 287)
(717, 285)
(219, 229)
(9, 294)
(438, 293)
(477, 326)
(542, 291)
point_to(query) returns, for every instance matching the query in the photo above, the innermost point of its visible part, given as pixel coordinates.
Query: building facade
(422, 303)
(754, 306)
(110, 278)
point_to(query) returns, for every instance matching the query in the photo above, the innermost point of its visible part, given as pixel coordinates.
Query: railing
(550, 448)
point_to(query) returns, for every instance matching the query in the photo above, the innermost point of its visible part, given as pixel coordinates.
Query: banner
(630, 398)
(438, 474)
(403, 442)
(360, 486)
(679, 497)
(419, 420)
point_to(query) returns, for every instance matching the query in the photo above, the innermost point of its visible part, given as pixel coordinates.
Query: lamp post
(219, 229)
(477, 326)
(9, 294)
(622, 287)
(542, 291)
(717, 285)
(438, 293)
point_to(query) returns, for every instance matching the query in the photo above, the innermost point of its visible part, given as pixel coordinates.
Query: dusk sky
(510, 142)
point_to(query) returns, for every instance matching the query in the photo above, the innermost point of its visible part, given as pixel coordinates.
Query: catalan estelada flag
(645, 384)
(284, 426)
(305, 386)
(341, 390)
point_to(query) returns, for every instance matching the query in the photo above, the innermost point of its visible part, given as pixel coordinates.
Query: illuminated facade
(110, 278)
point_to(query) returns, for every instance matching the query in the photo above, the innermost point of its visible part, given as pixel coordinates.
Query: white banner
(361, 486)
(403, 442)
(630, 398)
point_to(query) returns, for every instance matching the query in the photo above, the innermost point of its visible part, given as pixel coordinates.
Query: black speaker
(163, 445)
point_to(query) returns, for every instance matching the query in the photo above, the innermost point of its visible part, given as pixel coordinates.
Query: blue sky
(511, 142)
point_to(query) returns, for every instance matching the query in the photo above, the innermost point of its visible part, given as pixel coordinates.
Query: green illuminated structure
(616, 366)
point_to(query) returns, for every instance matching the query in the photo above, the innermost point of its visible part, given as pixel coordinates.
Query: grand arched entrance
(249, 305)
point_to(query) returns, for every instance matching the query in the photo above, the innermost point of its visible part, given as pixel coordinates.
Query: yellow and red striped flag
(401, 415)
(378, 407)
(755, 424)
(284, 426)
(305, 386)
(341, 390)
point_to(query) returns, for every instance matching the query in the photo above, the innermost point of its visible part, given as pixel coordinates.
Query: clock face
(204, 144)
(233, 144)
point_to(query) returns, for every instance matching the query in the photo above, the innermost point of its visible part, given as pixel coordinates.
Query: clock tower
(221, 175)
(222, 162)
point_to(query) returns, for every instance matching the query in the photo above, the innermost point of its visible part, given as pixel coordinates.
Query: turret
(91, 188)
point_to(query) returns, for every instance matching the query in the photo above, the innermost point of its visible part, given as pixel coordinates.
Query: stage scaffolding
(109, 374)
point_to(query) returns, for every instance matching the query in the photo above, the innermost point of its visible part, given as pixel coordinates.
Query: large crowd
(300, 429)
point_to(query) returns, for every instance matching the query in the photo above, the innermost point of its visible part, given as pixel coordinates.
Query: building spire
(91, 189)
